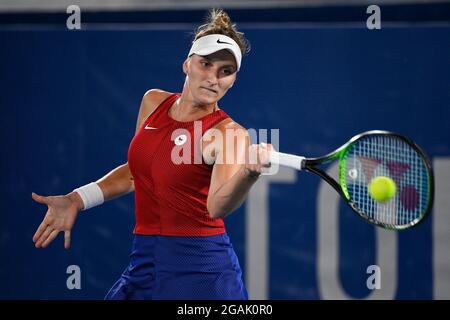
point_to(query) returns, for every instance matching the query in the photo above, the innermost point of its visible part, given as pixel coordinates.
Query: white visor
(216, 42)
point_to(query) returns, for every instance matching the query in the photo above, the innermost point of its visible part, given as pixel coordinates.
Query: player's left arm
(233, 174)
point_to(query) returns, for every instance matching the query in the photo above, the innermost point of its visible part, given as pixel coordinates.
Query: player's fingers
(67, 239)
(39, 231)
(267, 146)
(253, 154)
(50, 238)
(39, 198)
(264, 158)
(44, 236)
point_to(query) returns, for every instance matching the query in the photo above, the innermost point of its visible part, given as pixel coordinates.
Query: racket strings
(388, 156)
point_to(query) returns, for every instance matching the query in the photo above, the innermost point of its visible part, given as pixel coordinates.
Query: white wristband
(91, 194)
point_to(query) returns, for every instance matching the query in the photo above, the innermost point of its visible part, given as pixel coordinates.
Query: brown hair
(219, 21)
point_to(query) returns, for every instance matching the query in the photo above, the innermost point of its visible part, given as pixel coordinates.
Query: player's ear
(185, 66)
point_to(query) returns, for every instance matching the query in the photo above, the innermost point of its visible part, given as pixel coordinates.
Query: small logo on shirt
(180, 140)
(150, 128)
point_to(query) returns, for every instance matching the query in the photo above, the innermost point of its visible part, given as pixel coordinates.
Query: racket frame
(309, 164)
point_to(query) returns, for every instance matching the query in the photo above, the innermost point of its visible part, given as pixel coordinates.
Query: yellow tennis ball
(382, 188)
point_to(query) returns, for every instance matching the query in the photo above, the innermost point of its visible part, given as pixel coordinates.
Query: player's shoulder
(154, 97)
(151, 100)
(229, 124)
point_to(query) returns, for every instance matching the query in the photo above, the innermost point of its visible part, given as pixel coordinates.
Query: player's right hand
(61, 215)
(259, 159)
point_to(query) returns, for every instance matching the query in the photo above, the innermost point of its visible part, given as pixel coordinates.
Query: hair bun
(219, 22)
(220, 19)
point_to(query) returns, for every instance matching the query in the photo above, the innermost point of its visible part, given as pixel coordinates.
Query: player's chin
(208, 97)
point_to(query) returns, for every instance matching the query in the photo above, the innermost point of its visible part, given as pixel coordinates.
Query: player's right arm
(63, 209)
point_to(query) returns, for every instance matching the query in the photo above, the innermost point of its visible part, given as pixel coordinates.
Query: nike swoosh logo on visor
(218, 41)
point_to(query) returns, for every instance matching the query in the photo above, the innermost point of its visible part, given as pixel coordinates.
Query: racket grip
(287, 160)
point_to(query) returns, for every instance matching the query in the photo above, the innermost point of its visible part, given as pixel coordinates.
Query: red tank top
(171, 198)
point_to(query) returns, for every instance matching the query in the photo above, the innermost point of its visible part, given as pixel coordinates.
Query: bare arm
(231, 194)
(233, 175)
(119, 181)
(63, 210)
(114, 184)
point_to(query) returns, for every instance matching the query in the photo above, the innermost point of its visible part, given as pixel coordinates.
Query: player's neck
(185, 109)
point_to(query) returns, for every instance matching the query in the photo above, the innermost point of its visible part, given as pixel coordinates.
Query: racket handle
(287, 160)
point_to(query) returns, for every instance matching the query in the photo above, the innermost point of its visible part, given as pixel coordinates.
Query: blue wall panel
(69, 102)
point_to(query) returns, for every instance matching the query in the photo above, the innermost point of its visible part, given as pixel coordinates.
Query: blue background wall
(69, 102)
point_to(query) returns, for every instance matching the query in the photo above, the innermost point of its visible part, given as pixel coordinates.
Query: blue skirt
(181, 268)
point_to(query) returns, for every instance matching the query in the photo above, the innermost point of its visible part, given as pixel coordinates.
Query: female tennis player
(181, 249)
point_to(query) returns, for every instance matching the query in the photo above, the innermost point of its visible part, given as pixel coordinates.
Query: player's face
(208, 78)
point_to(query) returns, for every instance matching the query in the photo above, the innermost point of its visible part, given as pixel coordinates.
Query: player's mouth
(208, 89)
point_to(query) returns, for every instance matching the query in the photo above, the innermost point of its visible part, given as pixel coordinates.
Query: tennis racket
(370, 155)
